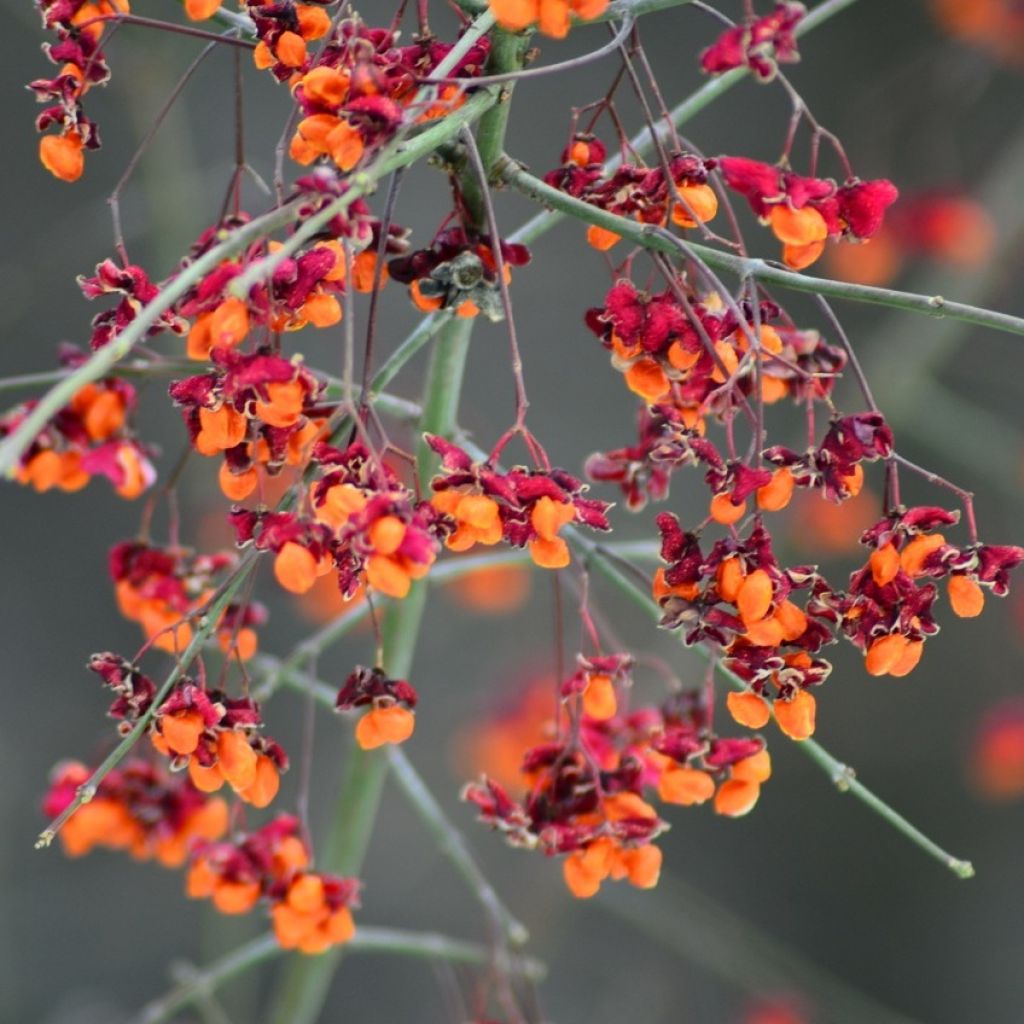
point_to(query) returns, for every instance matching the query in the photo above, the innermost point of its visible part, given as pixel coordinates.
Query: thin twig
(522, 402)
(549, 69)
(453, 845)
(231, 39)
(114, 199)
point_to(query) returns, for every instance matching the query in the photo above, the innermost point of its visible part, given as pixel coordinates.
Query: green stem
(439, 947)
(441, 397)
(393, 941)
(660, 240)
(508, 53)
(613, 12)
(153, 368)
(305, 985)
(842, 775)
(453, 845)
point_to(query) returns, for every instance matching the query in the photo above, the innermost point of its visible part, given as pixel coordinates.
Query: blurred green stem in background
(707, 934)
(368, 939)
(304, 987)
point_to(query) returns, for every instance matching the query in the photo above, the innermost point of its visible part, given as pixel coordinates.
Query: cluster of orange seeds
(91, 436)
(215, 739)
(137, 808)
(587, 788)
(162, 589)
(604, 858)
(677, 193)
(552, 17)
(389, 705)
(310, 911)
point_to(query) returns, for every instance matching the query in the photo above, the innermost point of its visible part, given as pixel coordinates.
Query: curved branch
(659, 240)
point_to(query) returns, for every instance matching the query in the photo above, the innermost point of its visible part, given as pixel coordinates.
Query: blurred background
(811, 907)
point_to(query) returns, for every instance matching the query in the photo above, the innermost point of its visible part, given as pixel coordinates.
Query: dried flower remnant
(215, 737)
(163, 588)
(361, 88)
(135, 290)
(522, 507)
(458, 272)
(314, 913)
(887, 611)
(255, 411)
(590, 791)
(740, 599)
(804, 212)
(636, 191)
(236, 873)
(366, 525)
(565, 812)
(310, 911)
(760, 44)
(78, 27)
(689, 357)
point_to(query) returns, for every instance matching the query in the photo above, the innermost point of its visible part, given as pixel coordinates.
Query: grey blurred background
(819, 895)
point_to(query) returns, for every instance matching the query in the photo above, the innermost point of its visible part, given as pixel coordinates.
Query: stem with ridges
(305, 985)
(660, 240)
